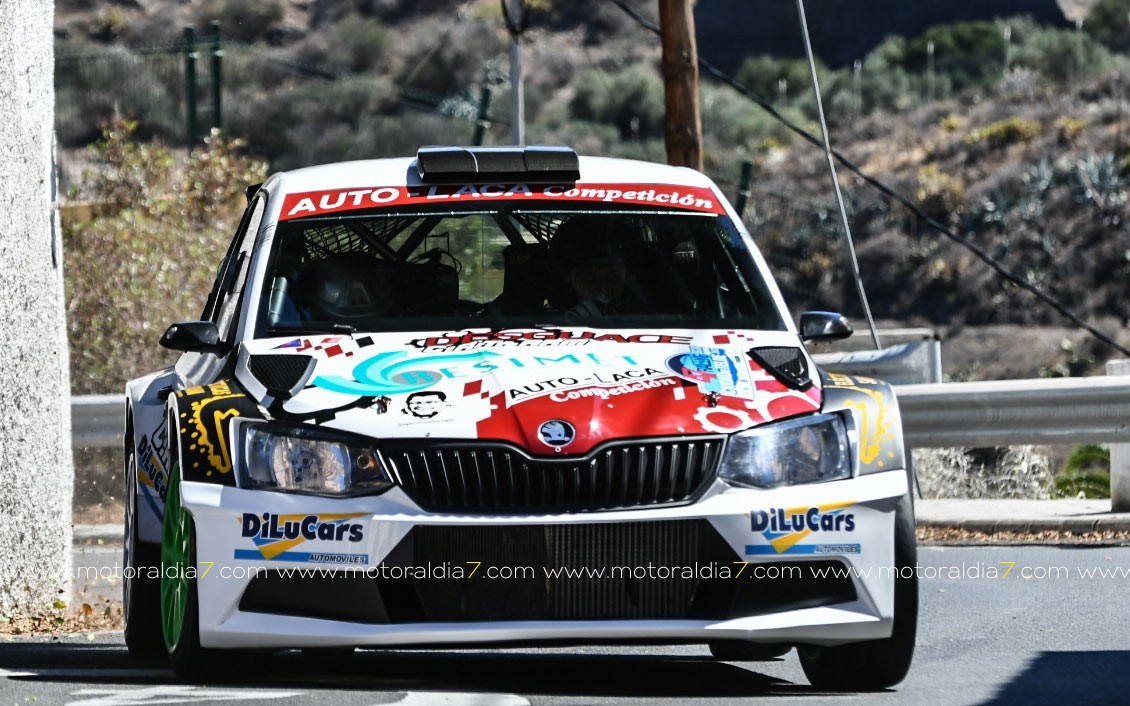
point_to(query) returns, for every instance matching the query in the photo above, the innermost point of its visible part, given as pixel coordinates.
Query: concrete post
(35, 448)
(1119, 455)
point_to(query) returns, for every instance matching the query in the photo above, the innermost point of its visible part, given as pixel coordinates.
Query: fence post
(744, 182)
(217, 84)
(1119, 455)
(191, 130)
(482, 121)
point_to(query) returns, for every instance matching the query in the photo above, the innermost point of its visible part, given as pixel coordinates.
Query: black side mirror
(192, 337)
(823, 326)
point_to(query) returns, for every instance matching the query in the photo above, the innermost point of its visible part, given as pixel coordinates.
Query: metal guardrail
(1091, 410)
(97, 421)
(998, 413)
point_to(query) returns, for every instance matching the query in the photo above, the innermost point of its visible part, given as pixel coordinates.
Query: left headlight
(302, 460)
(808, 450)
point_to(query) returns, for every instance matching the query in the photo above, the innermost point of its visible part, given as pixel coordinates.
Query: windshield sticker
(316, 203)
(395, 373)
(472, 339)
(716, 370)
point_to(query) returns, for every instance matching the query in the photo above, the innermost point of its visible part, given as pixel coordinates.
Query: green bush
(1109, 23)
(763, 75)
(148, 256)
(1059, 55)
(1086, 472)
(970, 54)
(96, 84)
(631, 100)
(1009, 131)
(242, 20)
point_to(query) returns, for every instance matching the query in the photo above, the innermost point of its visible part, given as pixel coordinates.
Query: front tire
(180, 618)
(141, 589)
(876, 664)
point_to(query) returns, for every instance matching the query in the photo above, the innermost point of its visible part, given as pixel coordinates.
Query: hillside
(1027, 162)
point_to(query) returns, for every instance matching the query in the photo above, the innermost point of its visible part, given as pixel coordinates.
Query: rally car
(498, 396)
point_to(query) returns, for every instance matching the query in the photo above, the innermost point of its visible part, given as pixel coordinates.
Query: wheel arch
(875, 413)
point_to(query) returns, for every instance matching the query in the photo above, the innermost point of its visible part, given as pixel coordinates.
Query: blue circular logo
(557, 433)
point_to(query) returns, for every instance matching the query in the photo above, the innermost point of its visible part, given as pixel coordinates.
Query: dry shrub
(1013, 472)
(149, 257)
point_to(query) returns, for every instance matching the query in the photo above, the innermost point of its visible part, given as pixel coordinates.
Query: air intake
(282, 375)
(787, 364)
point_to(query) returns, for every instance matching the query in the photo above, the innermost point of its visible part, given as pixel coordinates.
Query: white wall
(36, 475)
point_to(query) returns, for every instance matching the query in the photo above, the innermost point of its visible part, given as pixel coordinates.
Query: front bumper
(807, 564)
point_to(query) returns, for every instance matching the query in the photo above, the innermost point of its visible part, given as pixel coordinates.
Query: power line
(891, 193)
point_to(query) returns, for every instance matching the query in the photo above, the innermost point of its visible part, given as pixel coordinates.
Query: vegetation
(1086, 474)
(135, 265)
(1022, 151)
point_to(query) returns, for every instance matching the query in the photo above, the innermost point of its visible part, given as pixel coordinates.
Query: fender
(146, 435)
(200, 418)
(875, 412)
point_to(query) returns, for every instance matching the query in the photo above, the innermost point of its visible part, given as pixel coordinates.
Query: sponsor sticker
(784, 529)
(313, 203)
(278, 537)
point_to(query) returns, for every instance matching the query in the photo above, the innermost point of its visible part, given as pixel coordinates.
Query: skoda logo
(556, 432)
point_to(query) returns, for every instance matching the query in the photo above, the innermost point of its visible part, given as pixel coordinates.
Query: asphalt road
(1045, 633)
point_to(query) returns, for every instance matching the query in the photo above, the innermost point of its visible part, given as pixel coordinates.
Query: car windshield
(511, 267)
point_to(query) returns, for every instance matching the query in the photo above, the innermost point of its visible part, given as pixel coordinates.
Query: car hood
(548, 390)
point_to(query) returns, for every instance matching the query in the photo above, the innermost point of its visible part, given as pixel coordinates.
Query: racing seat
(428, 288)
(528, 282)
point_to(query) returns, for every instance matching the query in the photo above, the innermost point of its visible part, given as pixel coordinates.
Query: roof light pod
(445, 165)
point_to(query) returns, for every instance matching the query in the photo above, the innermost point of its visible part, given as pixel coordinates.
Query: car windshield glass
(509, 267)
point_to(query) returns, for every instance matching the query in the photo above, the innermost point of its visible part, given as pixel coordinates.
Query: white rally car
(510, 396)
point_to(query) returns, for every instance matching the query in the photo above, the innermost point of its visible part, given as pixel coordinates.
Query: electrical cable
(827, 144)
(888, 191)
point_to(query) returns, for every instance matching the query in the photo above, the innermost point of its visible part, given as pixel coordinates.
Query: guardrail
(1044, 411)
(999, 413)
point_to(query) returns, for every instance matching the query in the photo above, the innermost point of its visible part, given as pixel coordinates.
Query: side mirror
(192, 337)
(823, 326)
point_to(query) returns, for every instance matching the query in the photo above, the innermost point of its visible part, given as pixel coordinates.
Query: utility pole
(683, 129)
(516, 13)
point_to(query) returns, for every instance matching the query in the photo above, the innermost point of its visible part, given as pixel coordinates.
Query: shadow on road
(1069, 677)
(617, 674)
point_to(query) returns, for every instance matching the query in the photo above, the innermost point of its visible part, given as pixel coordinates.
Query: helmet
(592, 239)
(346, 289)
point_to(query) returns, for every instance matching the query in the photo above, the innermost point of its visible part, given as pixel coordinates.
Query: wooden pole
(683, 131)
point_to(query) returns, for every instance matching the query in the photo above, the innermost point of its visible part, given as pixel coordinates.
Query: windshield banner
(315, 203)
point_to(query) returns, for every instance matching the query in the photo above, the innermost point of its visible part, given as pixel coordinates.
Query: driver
(590, 252)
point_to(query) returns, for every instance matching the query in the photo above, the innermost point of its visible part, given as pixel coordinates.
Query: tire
(742, 651)
(180, 619)
(875, 664)
(180, 603)
(141, 590)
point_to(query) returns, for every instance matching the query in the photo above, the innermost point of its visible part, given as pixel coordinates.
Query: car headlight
(301, 460)
(808, 450)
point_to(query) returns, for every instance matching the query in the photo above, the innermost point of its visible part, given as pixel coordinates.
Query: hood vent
(282, 375)
(784, 363)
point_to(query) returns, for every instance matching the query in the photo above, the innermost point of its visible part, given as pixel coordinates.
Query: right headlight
(807, 450)
(304, 460)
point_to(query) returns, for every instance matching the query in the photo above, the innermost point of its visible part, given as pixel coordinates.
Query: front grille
(610, 578)
(492, 478)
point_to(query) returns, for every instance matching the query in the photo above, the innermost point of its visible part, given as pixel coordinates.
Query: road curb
(1074, 525)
